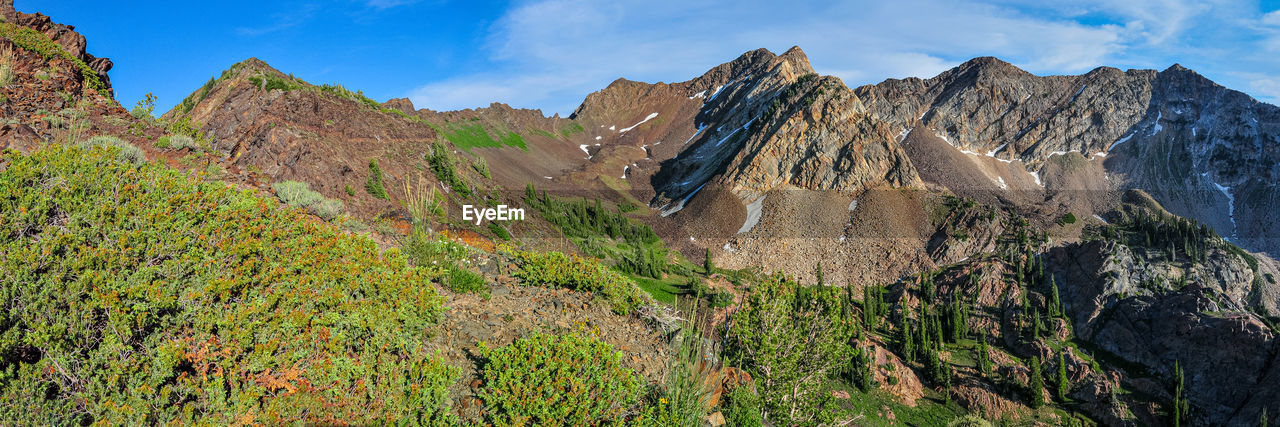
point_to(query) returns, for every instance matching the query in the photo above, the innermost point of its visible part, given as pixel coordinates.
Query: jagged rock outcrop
(53, 94)
(1204, 151)
(1127, 305)
(63, 35)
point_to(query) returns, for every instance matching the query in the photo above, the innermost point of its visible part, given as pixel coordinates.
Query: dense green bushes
(581, 274)
(134, 294)
(566, 379)
(588, 224)
(792, 339)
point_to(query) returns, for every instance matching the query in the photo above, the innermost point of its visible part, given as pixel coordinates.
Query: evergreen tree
(1055, 300)
(1262, 420)
(1037, 325)
(1036, 384)
(860, 372)
(817, 268)
(906, 339)
(708, 266)
(1181, 408)
(1063, 386)
(984, 353)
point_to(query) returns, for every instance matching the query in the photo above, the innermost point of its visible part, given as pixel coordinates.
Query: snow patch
(624, 171)
(1095, 216)
(699, 94)
(650, 117)
(1036, 175)
(853, 205)
(679, 206)
(1000, 182)
(695, 135)
(1119, 141)
(597, 138)
(731, 134)
(1157, 128)
(547, 177)
(1078, 92)
(1231, 204)
(583, 147)
(992, 153)
(716, 92)
(753, 215)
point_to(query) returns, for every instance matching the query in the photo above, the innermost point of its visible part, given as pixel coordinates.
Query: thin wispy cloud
(551, 53)
(384, 4)
(281, 21)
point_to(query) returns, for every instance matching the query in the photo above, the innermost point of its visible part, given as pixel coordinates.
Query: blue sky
(549, 54)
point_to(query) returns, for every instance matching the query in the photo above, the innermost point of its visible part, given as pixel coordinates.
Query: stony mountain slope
(1202, 150)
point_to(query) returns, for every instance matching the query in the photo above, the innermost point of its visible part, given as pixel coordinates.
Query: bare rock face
(1202, 150)
(1119, 304)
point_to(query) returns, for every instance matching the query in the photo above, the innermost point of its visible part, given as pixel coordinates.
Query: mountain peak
(991, 65)
(796, 56)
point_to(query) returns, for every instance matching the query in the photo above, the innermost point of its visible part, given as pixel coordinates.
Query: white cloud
(551, 53)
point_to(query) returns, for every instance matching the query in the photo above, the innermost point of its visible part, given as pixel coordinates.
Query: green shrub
(481, 167)
(1069, 218)
(6, 74)
(499, 231)
(178, 142)
(573, 272)
(557, 380)
(442, 164)
(423, 249)
(374, 185)
(273, 83)
(297, 194)
(125, 152)
(741, 408)
(350, 191)
(327, 209)
(462, 280)
(792, 338)
(164, 142)
(142, 295)
(300, 194)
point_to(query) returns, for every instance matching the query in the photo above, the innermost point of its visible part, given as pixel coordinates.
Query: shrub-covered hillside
(133, 293)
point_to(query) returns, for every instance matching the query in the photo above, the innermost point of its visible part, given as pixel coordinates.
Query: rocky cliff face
(1124, 300)
(55, 91)
(1204, 151)
(64, 35)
